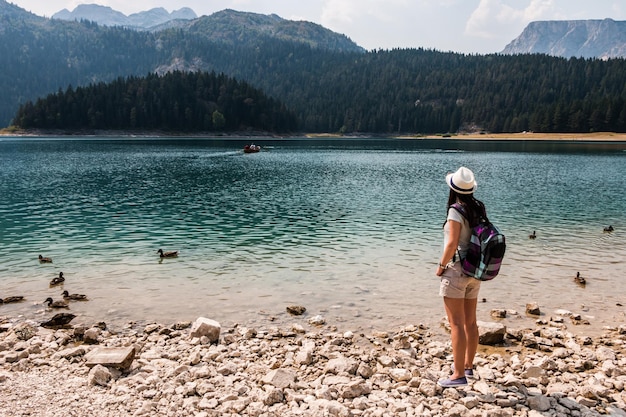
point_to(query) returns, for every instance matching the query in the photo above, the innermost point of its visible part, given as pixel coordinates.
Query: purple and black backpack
(486, 250)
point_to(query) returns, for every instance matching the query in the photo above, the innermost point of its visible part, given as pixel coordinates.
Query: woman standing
(459, 291)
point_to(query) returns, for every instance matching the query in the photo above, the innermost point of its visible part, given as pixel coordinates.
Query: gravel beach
(309, 368)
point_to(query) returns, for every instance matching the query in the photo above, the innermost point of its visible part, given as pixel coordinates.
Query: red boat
(251, 148)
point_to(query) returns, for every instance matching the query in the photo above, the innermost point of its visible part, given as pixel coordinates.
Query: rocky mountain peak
(572, 38)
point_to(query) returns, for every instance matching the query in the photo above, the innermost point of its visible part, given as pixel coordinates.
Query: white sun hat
(462, 181)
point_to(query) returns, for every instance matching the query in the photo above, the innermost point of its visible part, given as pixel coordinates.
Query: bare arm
(451, 246)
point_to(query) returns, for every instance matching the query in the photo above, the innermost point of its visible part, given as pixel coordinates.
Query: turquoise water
(351, 229)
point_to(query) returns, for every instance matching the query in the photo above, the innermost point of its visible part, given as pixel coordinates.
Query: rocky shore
(309, 369)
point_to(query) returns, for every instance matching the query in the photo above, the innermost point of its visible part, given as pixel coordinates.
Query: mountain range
(329, 82)
(572, 38)
(223, 26)
(108, 17)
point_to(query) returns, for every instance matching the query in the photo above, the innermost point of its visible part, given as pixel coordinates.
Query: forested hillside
(40, 56)
(329, 90)
(175, 102)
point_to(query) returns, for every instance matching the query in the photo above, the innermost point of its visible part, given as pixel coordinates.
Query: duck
(609, 229)
(59, 319)
(12, 299)
(58, 280)
(170, 254)
(44, 260)
(579, 280)
(56, 304)
(76, 297)
(533, 235)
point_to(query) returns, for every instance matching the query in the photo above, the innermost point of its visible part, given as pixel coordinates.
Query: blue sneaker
(452, 383)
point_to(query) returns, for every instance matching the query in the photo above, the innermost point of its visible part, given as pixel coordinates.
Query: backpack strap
(461, 209)
(458, 207)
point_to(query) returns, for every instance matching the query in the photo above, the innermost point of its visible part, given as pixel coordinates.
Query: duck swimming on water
(12, 299)
(45, 260)
(170, 254)
(56, 304)
(58, 280)
(609, 229)
(579, 280)
(76, 297)
(533, 235)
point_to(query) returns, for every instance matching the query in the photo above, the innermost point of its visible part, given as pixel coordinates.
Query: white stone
(99, 375)
(482, 387)
(365, 370)
(428, 388)
(603, 353)
(317, 320)
(400, 374)
(274, 396)
(91, 335)
(470, 402)
(121, 357)
(356, 389)
(304, 357)
(280, 378)
(562, 312)
(69, 353)
(208, 328)
(337, 365)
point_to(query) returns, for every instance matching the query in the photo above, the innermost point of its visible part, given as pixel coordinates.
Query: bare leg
(455, 309)
(471, 332)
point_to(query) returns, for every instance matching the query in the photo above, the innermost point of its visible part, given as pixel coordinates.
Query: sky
(465, 26)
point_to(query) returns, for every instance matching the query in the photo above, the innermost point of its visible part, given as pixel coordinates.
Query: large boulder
(208, 328)
(490, 333)
(111, 357)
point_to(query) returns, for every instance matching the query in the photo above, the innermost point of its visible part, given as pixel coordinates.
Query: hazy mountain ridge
(572, 38)
(107, 16)
(10, 12)
(228, 25)
(231, 26)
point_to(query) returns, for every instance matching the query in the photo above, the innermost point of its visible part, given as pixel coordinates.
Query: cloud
(495, 18)
(618, 9)
(338, 12)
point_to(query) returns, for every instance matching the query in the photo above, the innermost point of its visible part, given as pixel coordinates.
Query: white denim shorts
(455, 284)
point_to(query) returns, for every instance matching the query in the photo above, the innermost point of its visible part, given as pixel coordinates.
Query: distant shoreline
(530, 136)
(590, 137)
(599, 136)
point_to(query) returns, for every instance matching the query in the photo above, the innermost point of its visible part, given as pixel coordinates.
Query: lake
(351, 229)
